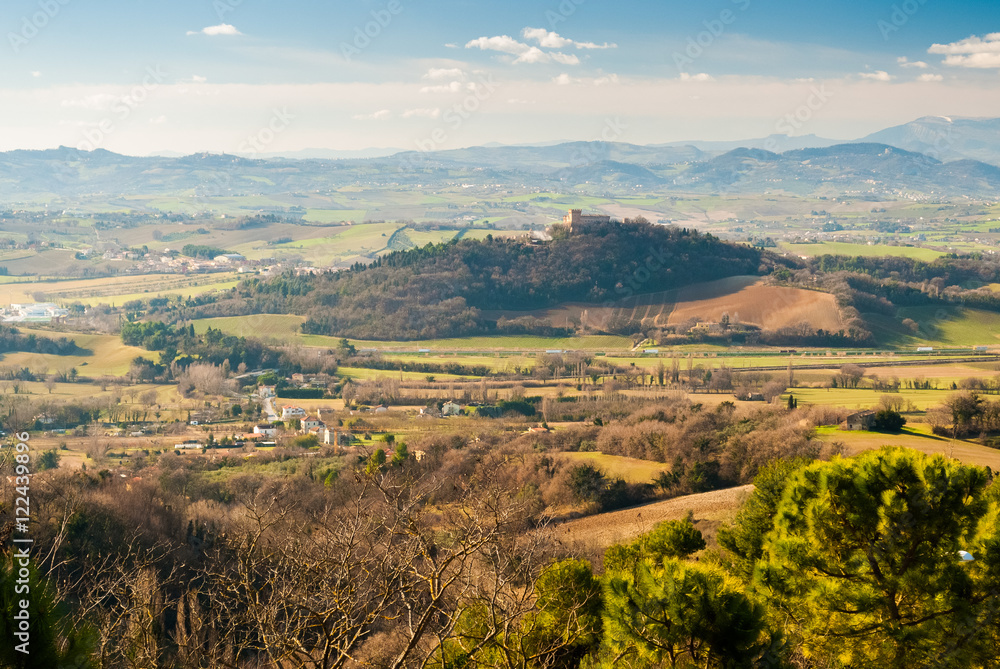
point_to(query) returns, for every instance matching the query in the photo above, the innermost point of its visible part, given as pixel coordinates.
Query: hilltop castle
(577, 221)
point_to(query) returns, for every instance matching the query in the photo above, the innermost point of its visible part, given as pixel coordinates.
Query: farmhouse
(309, 423)
(451, 409)
(289, 412)
(265, 430)
(862, 420)
(749, 396)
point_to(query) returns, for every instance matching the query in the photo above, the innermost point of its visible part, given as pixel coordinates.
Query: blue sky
(143, 76)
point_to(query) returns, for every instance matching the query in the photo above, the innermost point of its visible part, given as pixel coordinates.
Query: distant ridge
(934, 157)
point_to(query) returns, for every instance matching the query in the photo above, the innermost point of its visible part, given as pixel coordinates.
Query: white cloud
(878, 75)
(930, 77)
(439, 73)
(552, 40)
(380, 115)
(422, 113)
(701, 76)
(973, 52)
(96, 101)
(563, 80)
(604, 81)
(198, 79)
(453, 87)
(523, 53)
(906, 62)
(221, 29)
(36, 74)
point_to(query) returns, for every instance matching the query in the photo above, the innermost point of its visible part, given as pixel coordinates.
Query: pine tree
(864, 558)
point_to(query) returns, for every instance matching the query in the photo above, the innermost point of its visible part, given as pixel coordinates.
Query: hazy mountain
(777, 143)
(862, 168)
(545, 158)
(876, 169)
(946, 138)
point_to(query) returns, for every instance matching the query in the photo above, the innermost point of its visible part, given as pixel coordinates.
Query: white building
(229, 258)
(451, 409)
(289, 412)
(311, 423)
(187, 445)
(39, 312)
(265, 430)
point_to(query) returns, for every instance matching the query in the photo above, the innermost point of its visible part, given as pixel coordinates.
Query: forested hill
(441, 291)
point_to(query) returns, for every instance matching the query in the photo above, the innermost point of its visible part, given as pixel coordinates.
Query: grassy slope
(107, 355)
(630, 469)
(937, 326)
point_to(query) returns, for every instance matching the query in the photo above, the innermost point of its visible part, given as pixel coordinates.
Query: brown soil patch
(748, 300)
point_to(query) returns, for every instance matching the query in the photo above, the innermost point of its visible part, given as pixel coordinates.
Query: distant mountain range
(934, 156)
(944, 137)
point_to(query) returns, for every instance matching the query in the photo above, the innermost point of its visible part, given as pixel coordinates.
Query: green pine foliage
(864, 562)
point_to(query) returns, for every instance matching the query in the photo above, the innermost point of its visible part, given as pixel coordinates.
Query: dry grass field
(114, 290)
(710, 510)
(108, 356)
(630, 469)
(917, 436)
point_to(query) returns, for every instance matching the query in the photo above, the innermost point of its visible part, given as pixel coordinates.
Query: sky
(263, 76)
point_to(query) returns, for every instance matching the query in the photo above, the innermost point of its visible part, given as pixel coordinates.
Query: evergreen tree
(864, 559)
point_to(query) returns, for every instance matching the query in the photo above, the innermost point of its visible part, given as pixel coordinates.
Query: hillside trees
(443, 290)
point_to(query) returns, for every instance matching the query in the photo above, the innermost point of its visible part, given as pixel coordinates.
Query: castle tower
(573, 218)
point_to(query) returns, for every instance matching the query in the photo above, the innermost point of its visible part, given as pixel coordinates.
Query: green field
(286, 328)
(866, 398)
(265, 326)
(334, 215)
(937, 326)
(844, 249)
